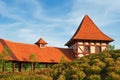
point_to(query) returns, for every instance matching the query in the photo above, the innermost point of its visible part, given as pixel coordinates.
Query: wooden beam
(46, 65)
(13, 66)
(3, 66)
(20, 66)
(34, 66)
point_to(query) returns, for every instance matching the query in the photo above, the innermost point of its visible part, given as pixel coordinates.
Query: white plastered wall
(80, 43)
(103, 48)
(92, 49)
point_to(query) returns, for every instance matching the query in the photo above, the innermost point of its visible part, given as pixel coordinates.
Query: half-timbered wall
(95, 47)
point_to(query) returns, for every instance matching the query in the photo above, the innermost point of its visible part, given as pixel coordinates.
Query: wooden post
(3, 67)
(20, 66)
(46, 65)
(34, 66)
(13, 66)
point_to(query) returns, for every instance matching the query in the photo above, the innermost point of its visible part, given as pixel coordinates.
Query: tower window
(98, 49)
(87, 49)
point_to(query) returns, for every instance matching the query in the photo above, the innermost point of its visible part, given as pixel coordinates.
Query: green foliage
(24, 76)
(61, 77)
(4, 56)
(33, 57)
(99, 63)
(94, 77)
(94, 70)
(111, 47)
(62, 59)
(103, 66)
(114, 76)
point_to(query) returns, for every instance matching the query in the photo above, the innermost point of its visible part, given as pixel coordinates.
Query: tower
(88, 39)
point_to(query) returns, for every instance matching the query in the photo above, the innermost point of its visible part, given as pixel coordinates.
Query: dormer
(41, 43)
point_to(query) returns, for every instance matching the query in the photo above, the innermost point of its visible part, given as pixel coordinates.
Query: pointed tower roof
(41, 41)
(87, 30)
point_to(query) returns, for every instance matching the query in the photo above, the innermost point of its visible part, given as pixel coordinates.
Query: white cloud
(25, 30)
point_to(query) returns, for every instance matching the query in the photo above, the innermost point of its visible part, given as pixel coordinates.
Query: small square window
(98, 49)
(87, 49)
(42, 46)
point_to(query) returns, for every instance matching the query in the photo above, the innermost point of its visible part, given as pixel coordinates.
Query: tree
(111, 47)
(5, 56)
(33, 59)
(62, 59)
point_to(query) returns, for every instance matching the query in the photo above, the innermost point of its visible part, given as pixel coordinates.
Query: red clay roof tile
(22, 52)
(87, 30)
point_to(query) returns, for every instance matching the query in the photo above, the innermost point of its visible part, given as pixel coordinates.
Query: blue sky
(56, 20)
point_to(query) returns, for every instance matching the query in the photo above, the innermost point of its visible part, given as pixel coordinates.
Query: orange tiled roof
(41, 41)
(22, 52)
(87, 30)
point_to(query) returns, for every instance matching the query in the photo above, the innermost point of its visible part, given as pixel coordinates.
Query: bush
(61, 77)
(93, 70)
(114, 76)
(94, 77)
(109, 61)
(98, 62)
(103, 66)
(81, 75)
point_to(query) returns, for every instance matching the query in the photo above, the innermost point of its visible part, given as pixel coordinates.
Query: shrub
(104, 55)
(109, 61)
(93, 70)
(115, 55)
(98, 62)
(81, 75)
(94, 77)
(61, 77)
(114, 76)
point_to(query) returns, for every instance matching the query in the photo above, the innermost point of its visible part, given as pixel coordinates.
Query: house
(88, 39)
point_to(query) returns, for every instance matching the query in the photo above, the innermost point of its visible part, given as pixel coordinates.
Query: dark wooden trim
(34, 66)
(76, 49)
(46, 65)
(13, 66)
(20, 66)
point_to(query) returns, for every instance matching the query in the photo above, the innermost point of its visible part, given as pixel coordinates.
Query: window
(42, 46)
(87, 49)
(98, 49)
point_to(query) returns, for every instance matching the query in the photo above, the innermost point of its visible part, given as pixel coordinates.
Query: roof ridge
(15, 42)
(41, 41)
